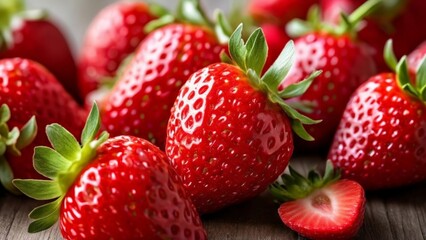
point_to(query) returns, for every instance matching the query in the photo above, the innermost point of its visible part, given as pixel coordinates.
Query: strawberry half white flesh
(321, 208)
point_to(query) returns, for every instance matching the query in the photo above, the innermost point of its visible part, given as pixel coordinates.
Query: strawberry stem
(363, 11)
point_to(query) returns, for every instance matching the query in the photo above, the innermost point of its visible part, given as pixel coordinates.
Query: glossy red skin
(114, 33)
(345, 65)
(400, 27)
(279, 12)
(276, 38)
(140, 102)
(129, 191)
(347, 208)
(380, 142)
(43, 41)
(29, 89)
(229, 142)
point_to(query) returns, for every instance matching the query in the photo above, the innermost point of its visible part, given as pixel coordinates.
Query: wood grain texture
(390, 214)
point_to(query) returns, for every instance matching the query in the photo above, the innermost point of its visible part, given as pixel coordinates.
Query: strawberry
(118, 188)
(30, 34)
(30, 90)
(381, 138)
(279, 12)
(229, 135)
(320, 207)
(114, 33)
(345, 62)
(394, 19)
(140, 102)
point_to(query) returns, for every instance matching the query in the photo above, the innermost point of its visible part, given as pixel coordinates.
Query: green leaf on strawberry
(349, 25)
(251, 57)
(416, 88)
(11, 142)
(293, 185)
(190, 11)
(320, 207)
(61, 165)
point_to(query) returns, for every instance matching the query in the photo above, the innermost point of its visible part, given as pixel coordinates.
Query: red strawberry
(30, 90)
(395, 19)
(320, 208)
(279, 12)
(228, 136)
(381, 138)
(121, 188)
(114, 34)
(140, 102)
(345, 62)
(29, 34)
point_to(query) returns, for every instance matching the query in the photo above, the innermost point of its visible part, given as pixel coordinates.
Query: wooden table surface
(390, 214)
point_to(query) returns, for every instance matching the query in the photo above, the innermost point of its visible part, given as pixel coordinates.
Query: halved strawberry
(320, 207)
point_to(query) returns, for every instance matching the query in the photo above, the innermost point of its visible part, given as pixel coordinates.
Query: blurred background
(74, 16)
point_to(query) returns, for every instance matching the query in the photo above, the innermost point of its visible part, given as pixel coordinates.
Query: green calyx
(349, 24)
(11, 142)
(416, 89)
(61, 164)
(251, 58)
(10, 10)
(294, 186)
(191, 11)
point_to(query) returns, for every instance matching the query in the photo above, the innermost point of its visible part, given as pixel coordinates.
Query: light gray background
(75, 15)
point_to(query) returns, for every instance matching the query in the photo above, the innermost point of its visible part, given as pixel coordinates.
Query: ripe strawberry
(140, 102)
(345, 62)
(279, 12)
(121, 188)
(30, 90)
(29, 34)
(394, 19)
(381, 138)
(113, 34)
(228, 136)
(320, 207)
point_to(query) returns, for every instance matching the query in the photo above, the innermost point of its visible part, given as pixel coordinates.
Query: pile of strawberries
(191, 114)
